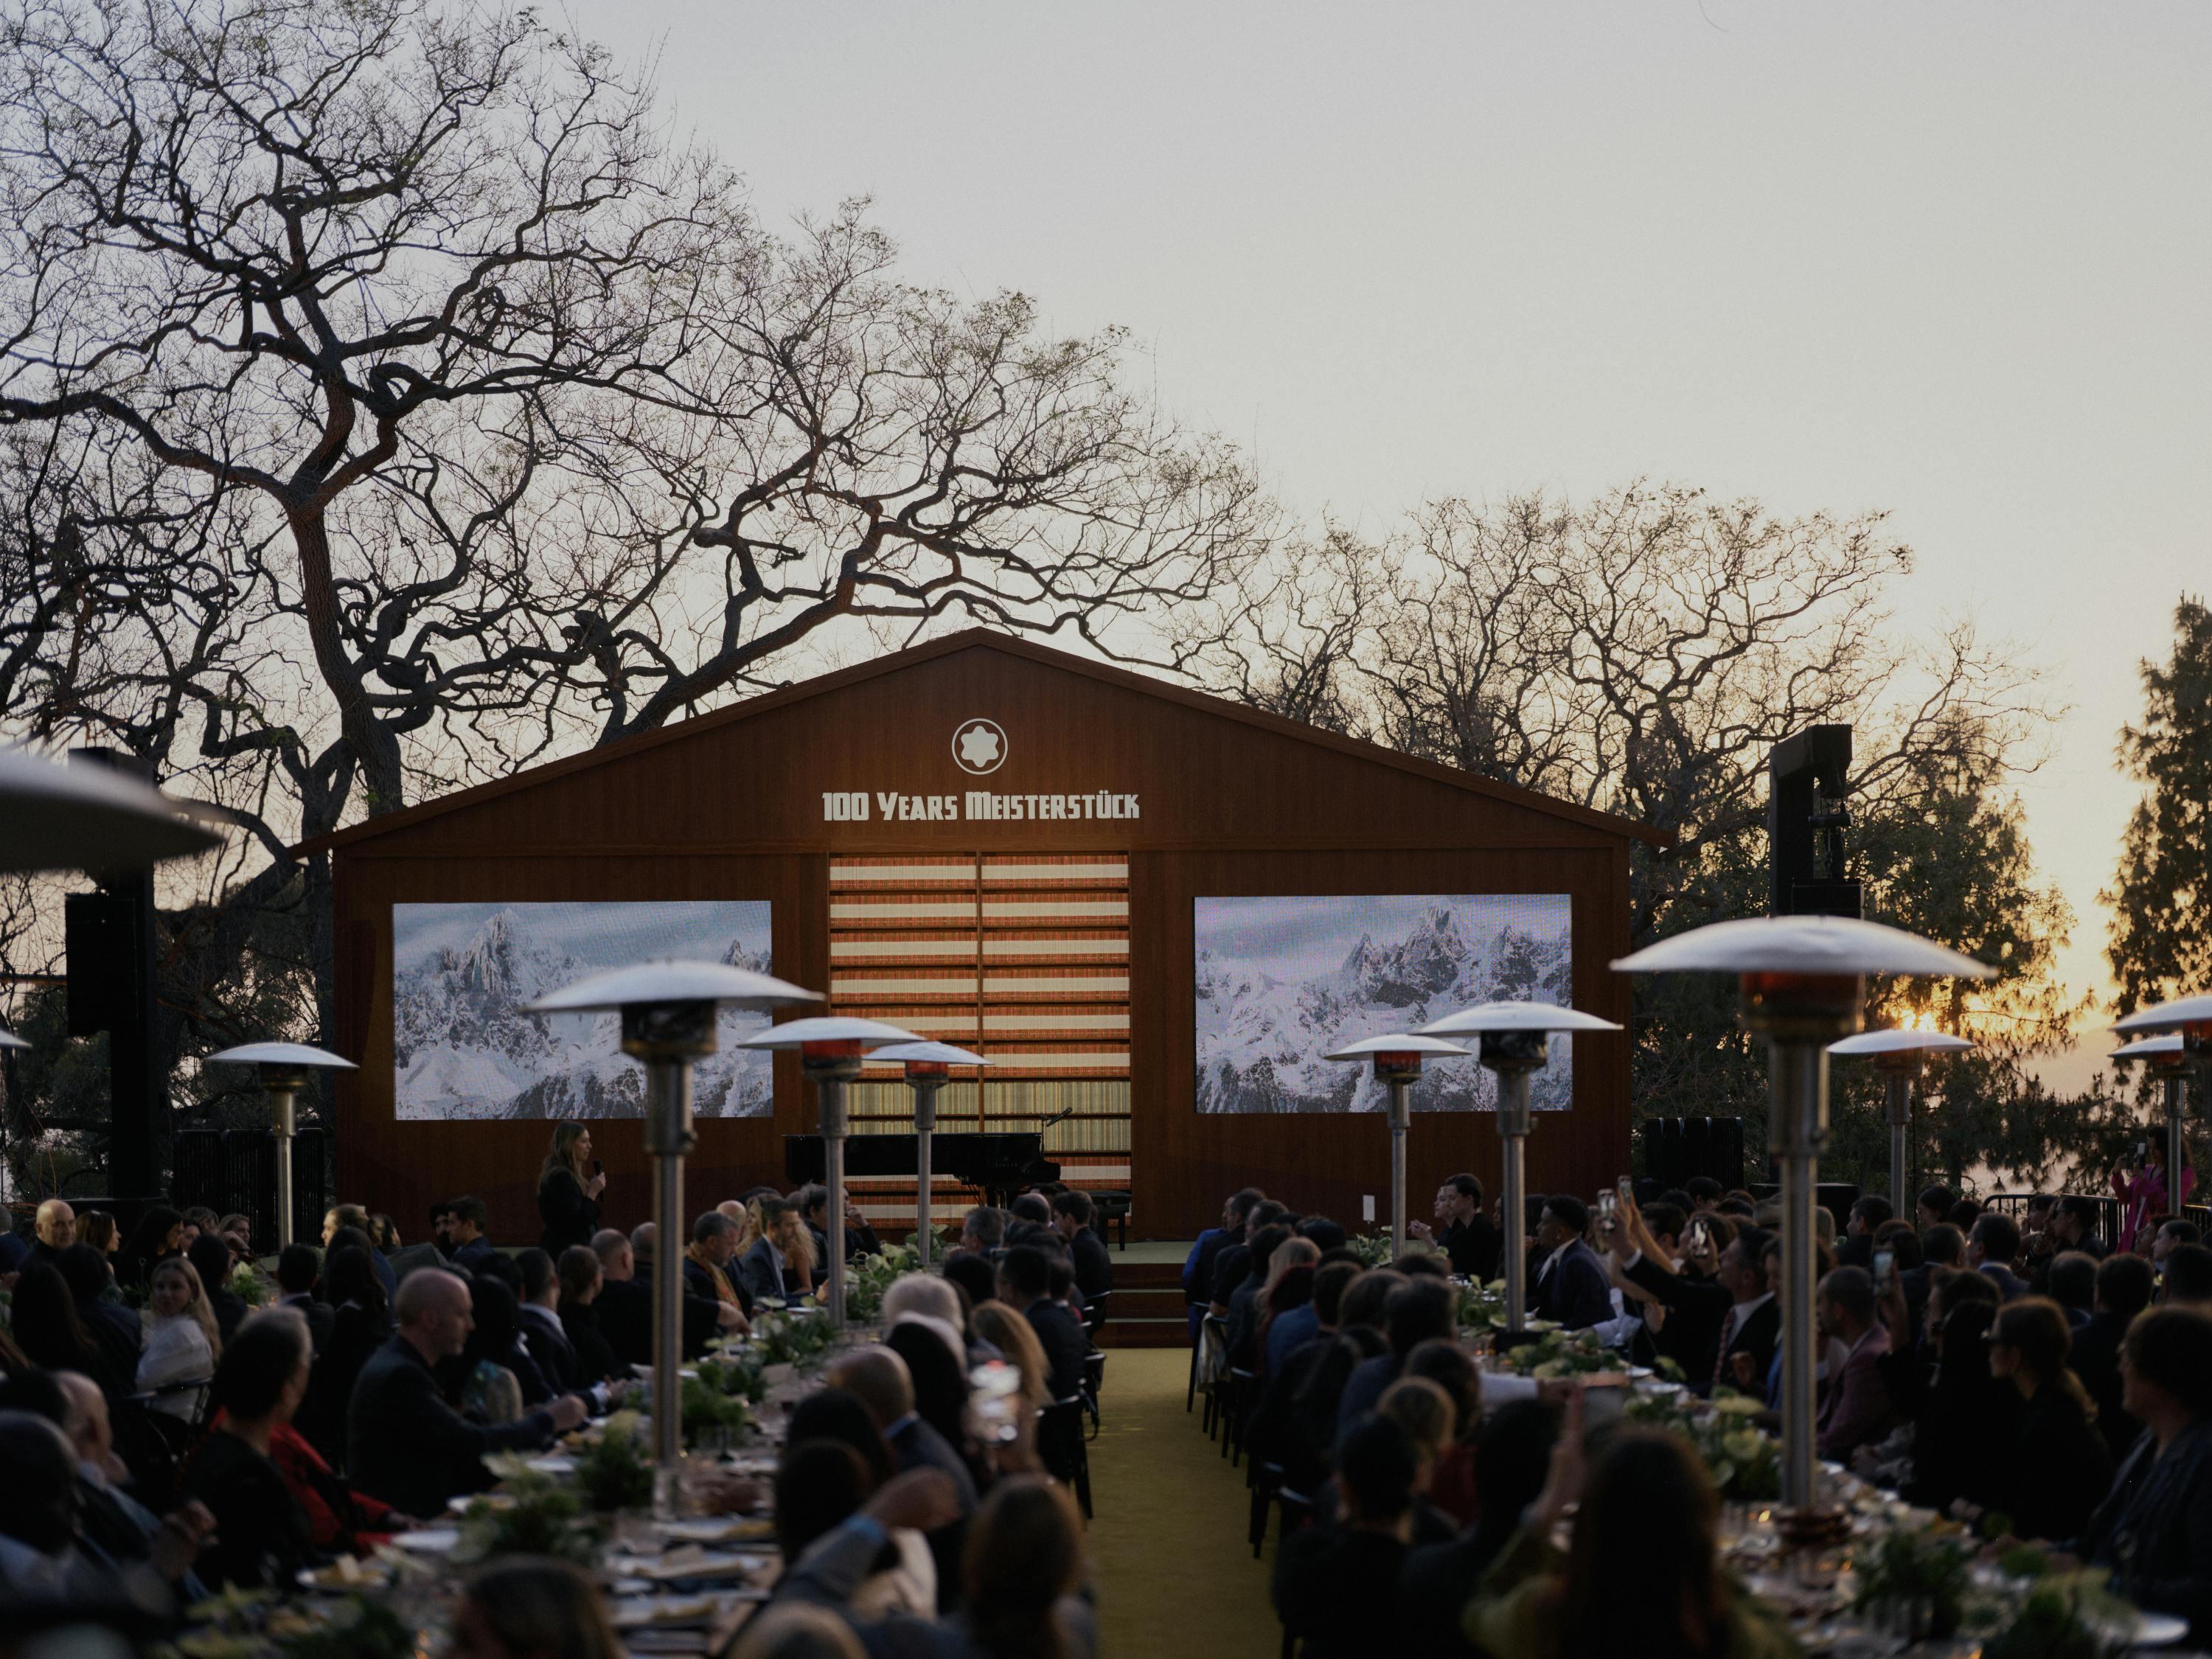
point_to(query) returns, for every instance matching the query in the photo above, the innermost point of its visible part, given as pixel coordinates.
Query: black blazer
(550, 1347)
(1696, 1310)
(1094, 1266)
(321, 1318)
(1061, 1335)
(1474, 1247)
(569, 1218)
(405, 1445)
(625, 1319)
(358, 1331)
(2096, 1361)
(260, 1535)
(2155, 1530)
(2058, 1471)
(596, 1359)
(1577, 1292)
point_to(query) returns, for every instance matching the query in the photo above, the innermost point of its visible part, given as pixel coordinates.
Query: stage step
(1147, 1310)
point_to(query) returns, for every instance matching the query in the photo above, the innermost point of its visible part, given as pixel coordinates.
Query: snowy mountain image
(463, 1047)
(1282, 982)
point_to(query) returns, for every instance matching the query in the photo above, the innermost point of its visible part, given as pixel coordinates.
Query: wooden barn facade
(1000, 845)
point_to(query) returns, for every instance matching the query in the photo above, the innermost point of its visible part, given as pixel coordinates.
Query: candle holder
(830, 1048)
(1398, 1062)
(285, 1069)
(668, 1010)
(928, 1067)
(1900, 1056)
(1801, 984)
(1514, 1042)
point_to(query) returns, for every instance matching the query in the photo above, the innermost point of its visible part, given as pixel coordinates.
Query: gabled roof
(984, 638)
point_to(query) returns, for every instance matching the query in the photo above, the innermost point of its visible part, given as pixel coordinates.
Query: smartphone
(1605, 1206)
(2142, 1152)
(1626, 1190)
(1701, 1234)
(597, 1167)
(1885, 1265)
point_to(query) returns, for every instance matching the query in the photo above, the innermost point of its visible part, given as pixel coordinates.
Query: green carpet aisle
(1175, 1575)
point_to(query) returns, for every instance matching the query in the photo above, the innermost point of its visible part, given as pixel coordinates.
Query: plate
(554, 1463)
(664, 1611)
(688, 1562)
(2152, 1630)
(427, 1540)
(721, 1529)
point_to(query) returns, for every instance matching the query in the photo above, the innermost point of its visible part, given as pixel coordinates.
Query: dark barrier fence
(234, 1171)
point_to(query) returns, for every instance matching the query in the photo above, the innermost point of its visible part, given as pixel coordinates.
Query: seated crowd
(2034, 1381)
(162, 1439)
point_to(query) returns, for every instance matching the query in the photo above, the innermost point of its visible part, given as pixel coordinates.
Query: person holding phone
(568, 1189)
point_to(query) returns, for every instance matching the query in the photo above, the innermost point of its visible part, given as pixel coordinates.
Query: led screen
(463, 1047)
(1284, 980)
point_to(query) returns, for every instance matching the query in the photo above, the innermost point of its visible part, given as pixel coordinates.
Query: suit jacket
(116, 1332)
(1094, 1266)
(2010, 1286)
(1857, 1410)
(405, 1445)
(1064, 1345)
(554, 1353)
(320, 1317)
(625, 1318)
(2155, 1529)
(472, 1257)
(1575, 1291)
(1197, 1267)
(229, 1311)
(1697, 1308)
(596, 1359)
(1366, 1385)
(2096, 1360)
(404, 1262)
(1855, 1250)
(757, 1275)
(1336, 1590)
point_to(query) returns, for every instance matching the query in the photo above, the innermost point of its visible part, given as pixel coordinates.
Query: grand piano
(1001, 1165)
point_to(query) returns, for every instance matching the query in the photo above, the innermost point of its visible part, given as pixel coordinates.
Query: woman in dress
(568, 1190)
(261, 1534)
(182, 1343)
(159, 1235)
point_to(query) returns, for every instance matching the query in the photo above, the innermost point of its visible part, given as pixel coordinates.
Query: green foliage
(2161, 894)
(358, 1628)
(1920, 1576)
(612, 1471)
(535, 1514)
(791, 1338)
(1744, 1460)
(1559, 1353)
(246, 1284)
(2065, 1616)
(735, 1370)
(705, 1408)
(257, 1625)
(1373, 1249)
(867, 1278)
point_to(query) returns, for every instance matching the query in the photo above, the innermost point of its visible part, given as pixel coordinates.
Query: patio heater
(830, 1050)
(92, 818)
(1801, 980)
(1397, 1061)
(285, 1069)
(1900, 1056)
(928, 1067)
(668, 1010)
(1514, 1042)
(2167, 1055)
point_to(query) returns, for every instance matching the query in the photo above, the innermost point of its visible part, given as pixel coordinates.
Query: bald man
(404, 1443)
(57, 1231)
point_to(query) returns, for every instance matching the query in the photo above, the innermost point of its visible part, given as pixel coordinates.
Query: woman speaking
(568, 1189)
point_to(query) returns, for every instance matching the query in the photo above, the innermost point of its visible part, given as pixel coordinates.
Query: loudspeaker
(1677, 1148)
(104, 961)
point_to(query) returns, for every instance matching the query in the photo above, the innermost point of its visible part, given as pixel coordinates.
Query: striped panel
(1022, 957)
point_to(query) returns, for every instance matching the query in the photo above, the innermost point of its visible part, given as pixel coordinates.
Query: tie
(1720, 1359)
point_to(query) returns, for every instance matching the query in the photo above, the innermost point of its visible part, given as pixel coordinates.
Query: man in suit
(1469, 1238)
(1991, 1247)
(404, 1445)
(860, 1238)
(298, 1267)
(1734, 1304)
(1857, 1410)
(2074, 1225)
(706, 1272)
(54, 1230)
(1071, 1214)
(625, 1302)
(1197, 1266)
(472, 1249)
(1026, 1286)
(1855, 1248)
(2125, 1285)
(1571, 1287)
(879, 1380)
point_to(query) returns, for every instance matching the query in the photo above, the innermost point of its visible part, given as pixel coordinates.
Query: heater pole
(1401, 1092)
(832, 1089)
(668, 1137)
(2177, 1117)
(282, 1096)
(924, 1121)
(1513, 1193)
(1897, 1088)
(1799, 1084)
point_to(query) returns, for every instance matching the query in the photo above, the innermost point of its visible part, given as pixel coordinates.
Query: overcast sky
(1947, 260)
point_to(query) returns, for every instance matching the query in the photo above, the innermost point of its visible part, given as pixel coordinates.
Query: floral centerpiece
(255, 1625)
(246, 1284)
(735, 1367)
(1915, 1584)
(872, 1275)
(2066, 1616)
(785, 1339)
(534, 1515)
(1482, 1307)
(1556, 1352)
(612, 1470)
(1744, 1460)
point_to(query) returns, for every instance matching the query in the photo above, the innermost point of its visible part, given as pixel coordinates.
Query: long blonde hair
(1010, 1333)
(197, 1308)
(562, 1154)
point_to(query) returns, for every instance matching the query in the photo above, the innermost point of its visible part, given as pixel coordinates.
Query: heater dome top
(1515, 1016)
(9, 1040)
(284, 1054)
(1428, 1047)
(665, 980)
(2152, 1047)
(88, 817)
(929, 1053)
(1902, 1041)
(2170, 1015)
(829, 1028)
(1827, 947)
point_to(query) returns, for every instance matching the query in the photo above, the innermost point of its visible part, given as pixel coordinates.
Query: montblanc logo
(979, 746)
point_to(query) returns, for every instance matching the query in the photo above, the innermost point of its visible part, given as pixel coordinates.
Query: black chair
(1093, 1314)
(1243, 1393)
(1062, 1447)
(1111, 1209)
(1267, 1481)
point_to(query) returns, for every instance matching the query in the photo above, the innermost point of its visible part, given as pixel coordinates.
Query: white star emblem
(979, 746)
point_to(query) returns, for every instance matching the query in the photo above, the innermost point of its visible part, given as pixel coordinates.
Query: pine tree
(2161, 896)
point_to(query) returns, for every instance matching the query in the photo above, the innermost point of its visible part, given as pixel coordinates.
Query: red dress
(339, 1519)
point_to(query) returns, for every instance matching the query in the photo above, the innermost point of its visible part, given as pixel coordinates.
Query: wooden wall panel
(730, 806)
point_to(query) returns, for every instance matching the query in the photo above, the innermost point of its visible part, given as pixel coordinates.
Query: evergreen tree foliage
(2162, 895)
